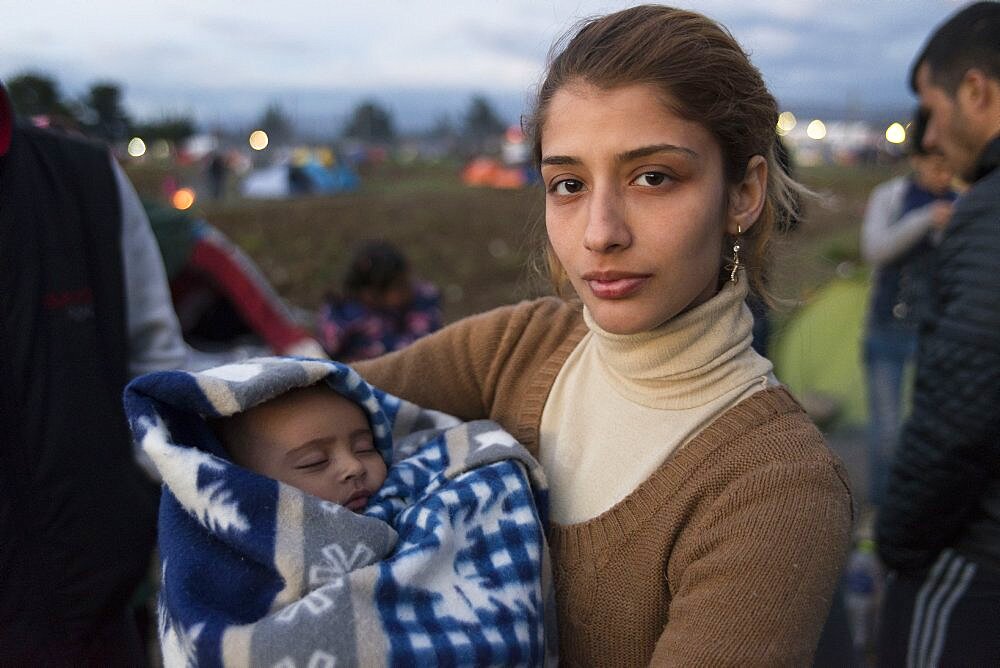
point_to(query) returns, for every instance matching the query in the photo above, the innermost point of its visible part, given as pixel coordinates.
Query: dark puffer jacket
(944, 490)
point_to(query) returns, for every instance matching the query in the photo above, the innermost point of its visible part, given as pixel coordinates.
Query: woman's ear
(746, 198)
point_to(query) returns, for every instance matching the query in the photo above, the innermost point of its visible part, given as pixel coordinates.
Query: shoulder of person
(777, 451)
(984, 193)
(541, 312)
(974, 217)
(893, 188)
(61, 141)
(770, 427)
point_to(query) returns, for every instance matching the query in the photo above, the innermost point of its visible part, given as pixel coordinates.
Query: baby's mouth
(358, 500)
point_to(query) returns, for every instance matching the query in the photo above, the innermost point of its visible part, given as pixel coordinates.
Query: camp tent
(818, 351)
(286, 180)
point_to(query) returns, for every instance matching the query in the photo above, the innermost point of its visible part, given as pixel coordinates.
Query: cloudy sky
(224, 60)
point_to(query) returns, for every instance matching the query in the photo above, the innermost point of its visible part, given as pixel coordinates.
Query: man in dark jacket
(939, 529)
(84, 305)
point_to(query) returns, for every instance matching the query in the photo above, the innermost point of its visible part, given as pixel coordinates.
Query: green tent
(817, 352)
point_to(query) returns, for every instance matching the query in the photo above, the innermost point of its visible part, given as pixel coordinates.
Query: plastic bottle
(862, 590)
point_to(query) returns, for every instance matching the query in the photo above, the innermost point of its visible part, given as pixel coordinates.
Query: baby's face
(313, 439)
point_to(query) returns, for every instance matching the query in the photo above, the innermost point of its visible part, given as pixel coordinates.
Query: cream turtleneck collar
(689, 361)
(621, 405)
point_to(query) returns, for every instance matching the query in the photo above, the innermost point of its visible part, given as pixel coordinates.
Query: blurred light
(786, 122)
(895, 134)
(136, 147)
(258, 140)
(325, 157)
(160, 149)
(498, 248)
(816, 129)
(514, 134)
(183, 198)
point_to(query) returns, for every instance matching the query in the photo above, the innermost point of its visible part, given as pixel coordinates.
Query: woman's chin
(622, 320)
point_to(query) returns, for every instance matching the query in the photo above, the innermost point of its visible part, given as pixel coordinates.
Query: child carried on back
(279, 539)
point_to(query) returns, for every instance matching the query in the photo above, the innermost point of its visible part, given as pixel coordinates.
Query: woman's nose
(607, 226)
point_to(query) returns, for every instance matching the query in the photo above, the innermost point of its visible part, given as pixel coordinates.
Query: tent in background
(287, 180)
(817, 353)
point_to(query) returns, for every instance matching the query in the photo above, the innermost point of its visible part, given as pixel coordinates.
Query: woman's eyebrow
(560, 160)
(646, 151)
(627, 156)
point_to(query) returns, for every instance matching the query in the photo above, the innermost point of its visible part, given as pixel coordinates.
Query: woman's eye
(650, 179)
(567, 187)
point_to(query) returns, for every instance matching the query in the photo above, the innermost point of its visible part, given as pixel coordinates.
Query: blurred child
(898, 234)
(382, 308)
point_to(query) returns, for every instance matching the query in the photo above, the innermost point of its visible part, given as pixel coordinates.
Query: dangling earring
(735, 266)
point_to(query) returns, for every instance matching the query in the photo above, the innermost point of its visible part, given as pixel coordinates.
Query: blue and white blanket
(447, 566)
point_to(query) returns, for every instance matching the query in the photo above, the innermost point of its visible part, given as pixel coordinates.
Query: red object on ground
(215, 261)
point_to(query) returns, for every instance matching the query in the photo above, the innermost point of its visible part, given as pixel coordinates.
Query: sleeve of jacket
(155, 340)
(950, 447)
(884, 236)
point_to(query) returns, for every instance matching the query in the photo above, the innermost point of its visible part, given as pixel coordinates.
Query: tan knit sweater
(727, 555)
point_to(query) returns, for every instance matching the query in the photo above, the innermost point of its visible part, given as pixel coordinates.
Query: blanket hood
(185, 401)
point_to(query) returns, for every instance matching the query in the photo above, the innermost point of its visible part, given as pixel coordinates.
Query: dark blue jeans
(887, 353)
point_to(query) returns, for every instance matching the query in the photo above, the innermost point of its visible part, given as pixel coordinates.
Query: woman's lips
(614, 285)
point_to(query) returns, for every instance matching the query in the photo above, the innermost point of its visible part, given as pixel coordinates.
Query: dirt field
(478, 244)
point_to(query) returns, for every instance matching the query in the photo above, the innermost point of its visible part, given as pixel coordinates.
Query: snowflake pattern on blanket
(447, 566)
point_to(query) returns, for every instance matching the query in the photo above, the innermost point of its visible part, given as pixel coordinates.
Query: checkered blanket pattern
(447, 566)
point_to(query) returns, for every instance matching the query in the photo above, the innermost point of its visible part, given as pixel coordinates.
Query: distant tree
(36, 94)
(105, 116)
(370, 122)
(172, 128)
(443, 128)
(276, 123)
(481, 122)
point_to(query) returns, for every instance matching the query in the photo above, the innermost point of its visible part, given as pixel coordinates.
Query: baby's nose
(351, 467)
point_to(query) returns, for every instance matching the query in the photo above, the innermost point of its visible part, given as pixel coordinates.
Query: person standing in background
(218, 173)
(903, 222)
(939, 527)
(84, 305)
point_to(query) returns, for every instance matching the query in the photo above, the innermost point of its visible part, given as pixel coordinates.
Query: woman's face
(636, 204)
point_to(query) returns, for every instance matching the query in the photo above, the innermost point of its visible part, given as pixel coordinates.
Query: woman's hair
(705, 77)
(376, 265)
